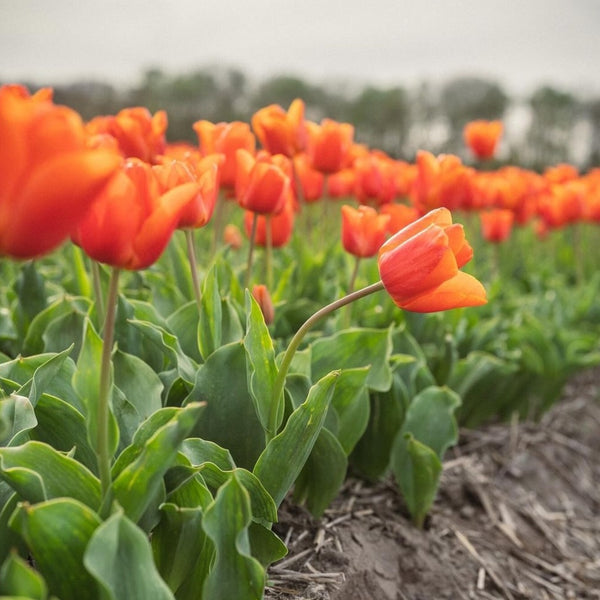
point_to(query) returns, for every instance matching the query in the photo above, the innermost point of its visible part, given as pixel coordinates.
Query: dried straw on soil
(516, 518)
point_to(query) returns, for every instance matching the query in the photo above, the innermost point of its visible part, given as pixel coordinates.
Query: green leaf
(260, 363)
(9, 540)
(119, 558)
(38, 472)
(285, 455)
(169, 345)
(182, 551)
(323, 474)
(86, 382)
(30, 287)
(184, 324)
(63, 427)
(266, 547)
(354, 348)
(430, 418)
(209, 325)
(235, 573)
(16, 419)
(57, 533)
(230, 418)
(64, 332)
(351, 404)
(17, 578)
(138, 482)
(200, 451)
(417, 469)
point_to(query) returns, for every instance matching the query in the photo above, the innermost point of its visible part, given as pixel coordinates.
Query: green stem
(347, 316)
(191, 249)
(251, 249)
(102, 441)
(83, 282)
(268, 252)
(296, 341)
(98, 291)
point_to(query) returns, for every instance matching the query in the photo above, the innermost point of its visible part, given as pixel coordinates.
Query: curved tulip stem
(296, 341)
(191, 248)
(102, 441)
(251, 249)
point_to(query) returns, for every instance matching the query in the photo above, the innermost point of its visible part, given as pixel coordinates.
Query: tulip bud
(232, 236)
(262, 296)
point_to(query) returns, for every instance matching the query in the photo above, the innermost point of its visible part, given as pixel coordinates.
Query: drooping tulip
(482, 137)
(133, 219)
(419, 266)
(363, 230)
(50, 175)
(280, 131)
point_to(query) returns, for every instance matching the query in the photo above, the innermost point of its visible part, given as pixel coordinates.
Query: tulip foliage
(159, 401)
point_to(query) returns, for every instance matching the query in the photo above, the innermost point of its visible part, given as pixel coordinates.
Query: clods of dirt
(516, 518)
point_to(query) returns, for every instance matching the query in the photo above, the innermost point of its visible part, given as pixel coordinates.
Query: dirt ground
(516, 517)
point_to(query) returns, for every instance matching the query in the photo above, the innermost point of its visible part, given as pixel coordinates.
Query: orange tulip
(203, 171)
(281, 225)
(232, 236)
(496, 224)
(482, 137)
(49, 174)
(139, 134)
(329, 145)
(400, 216)
(419, 266)
(262, 182)
(363, 230)
(310, 180)
(374, 179)
(226, 139)
(133, 220)
(281, 132)
(341, 184)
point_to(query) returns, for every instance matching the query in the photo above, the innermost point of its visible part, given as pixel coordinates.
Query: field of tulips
(190, 335)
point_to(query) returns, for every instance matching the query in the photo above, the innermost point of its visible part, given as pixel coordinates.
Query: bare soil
(516, 517)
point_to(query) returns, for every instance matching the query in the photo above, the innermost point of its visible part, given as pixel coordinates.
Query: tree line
(556, 125)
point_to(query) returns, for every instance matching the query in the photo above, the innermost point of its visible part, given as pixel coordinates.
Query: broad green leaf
(430, 418)
(184, 324)
(65, 332)
(119, 558)
(199, 451)
(17, 578)
(209, 325)
(260, 364)
(17, 418)
(169, 345)
(63, 427)
(235, 573)
(30, 287)
(351, 404)
(57, 533)
(86, 381)
(34, 341)
(353, 348)
(323, 474)
(38, 472)
(230, 418)
(181, 548)
(9, 540)
(138, 482)
(417, 469)
(285, 455)
(266, 546)
(371, 455)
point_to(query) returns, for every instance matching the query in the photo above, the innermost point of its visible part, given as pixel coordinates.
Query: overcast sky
(520, 43)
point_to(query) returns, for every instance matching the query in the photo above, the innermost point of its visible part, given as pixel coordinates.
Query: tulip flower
(363, 230)
(482, 137)
(310, 180)
(281, 132)
(341, 184)
(329, 145)
(262, 183)
(133, 220)
(49, 173)
(374, 179)
(419, 266)
(400, 215)
(139, 134)
(232, 236)
(496, 224)
(263, 298)
(280, 226)
(226, 139)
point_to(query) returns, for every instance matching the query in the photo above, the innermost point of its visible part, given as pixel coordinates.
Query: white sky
(520, 43)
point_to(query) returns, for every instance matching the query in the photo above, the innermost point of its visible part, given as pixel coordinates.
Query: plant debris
(516, 518)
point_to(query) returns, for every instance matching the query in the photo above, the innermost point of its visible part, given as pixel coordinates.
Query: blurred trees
(395, 119)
